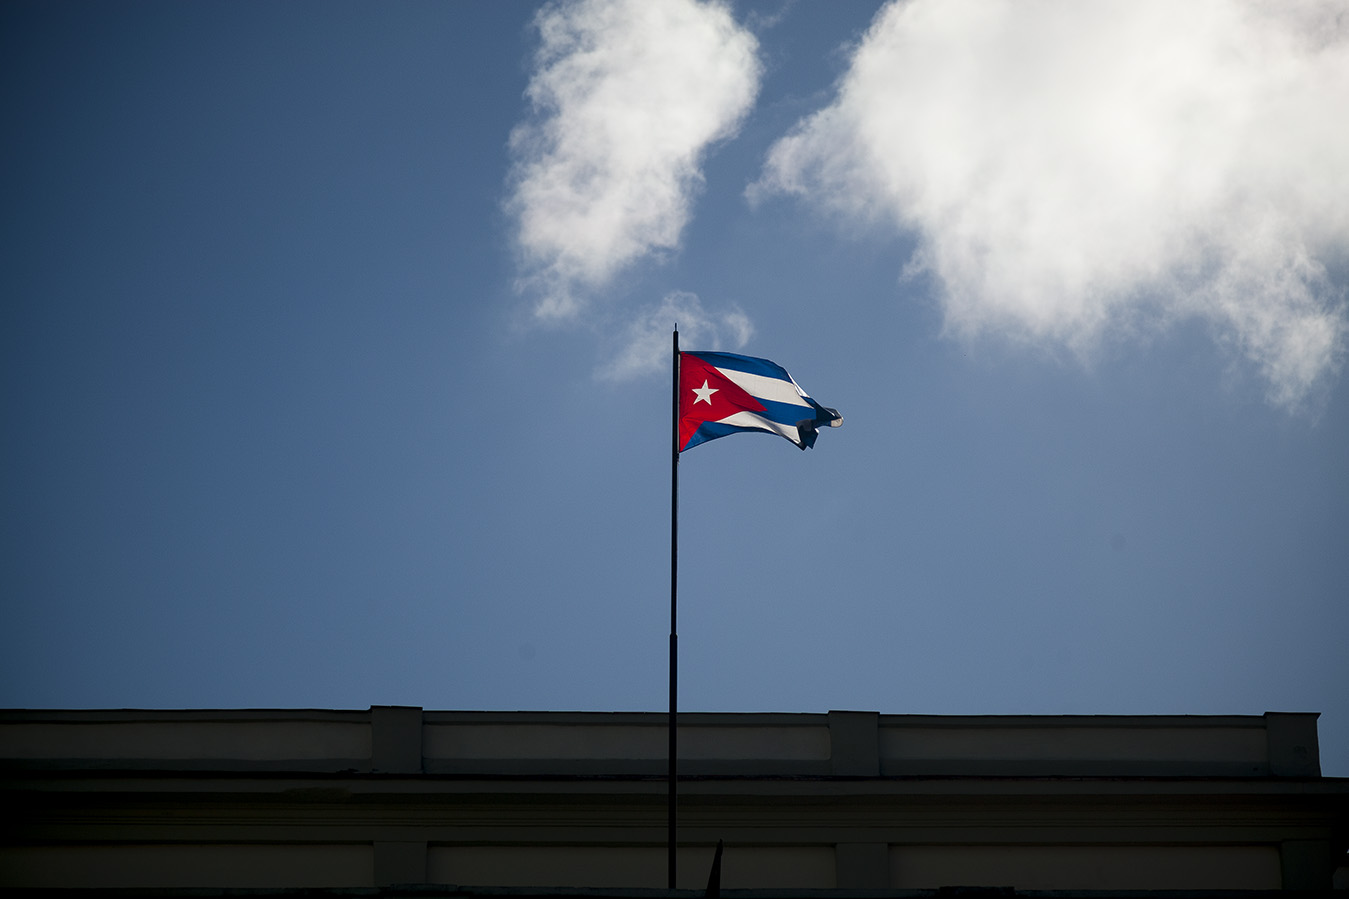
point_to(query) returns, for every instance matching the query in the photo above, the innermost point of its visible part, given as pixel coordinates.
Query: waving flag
(723, 393)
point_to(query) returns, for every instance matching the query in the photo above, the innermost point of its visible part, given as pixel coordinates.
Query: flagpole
(674, 593)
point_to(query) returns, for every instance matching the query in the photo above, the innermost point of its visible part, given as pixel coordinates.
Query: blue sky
(334, 363)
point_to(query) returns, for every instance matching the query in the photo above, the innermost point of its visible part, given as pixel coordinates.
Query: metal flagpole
(674, 592)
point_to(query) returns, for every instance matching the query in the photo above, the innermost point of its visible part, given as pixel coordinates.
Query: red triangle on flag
(705, 394)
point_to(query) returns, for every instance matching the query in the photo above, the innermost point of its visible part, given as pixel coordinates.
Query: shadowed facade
(830, 804)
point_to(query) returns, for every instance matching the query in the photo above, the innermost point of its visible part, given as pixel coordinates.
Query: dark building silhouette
(844, 803)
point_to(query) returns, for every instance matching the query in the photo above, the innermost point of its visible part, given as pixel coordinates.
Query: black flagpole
(674, 592)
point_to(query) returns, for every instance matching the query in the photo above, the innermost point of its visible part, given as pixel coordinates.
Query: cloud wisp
(1081, 170)
(626, 98)
(646, 342)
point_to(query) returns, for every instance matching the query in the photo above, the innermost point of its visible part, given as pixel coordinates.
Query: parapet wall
(408, 740)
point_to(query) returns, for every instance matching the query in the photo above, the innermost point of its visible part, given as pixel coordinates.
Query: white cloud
(627, 96)
(1074, 170)
(647, 347)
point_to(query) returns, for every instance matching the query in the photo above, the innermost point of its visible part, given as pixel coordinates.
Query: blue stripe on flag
(785, 413)
(711, 430)
(750, 364)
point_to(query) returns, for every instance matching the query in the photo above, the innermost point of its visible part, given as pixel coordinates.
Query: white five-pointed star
(704, 393)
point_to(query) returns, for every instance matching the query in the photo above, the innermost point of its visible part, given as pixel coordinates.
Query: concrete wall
(181, 865)
(406, 740)
(1103, 867)
(290, 865)
(759, 867)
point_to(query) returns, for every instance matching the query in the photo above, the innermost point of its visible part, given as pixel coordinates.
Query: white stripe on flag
(753, 420)
(774, 389)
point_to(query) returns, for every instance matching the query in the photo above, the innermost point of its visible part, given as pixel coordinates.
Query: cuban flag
(723, 393)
